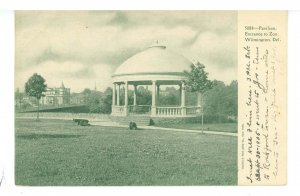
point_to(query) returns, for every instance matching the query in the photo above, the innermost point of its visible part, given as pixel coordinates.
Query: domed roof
(154, 60)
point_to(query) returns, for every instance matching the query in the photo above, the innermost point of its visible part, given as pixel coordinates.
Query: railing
(139, 109)
(117, 110)
(160, 111)
(168, 111)
(193, 110)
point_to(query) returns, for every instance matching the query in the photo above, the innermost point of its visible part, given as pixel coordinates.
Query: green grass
(220, 127)
(58, 152)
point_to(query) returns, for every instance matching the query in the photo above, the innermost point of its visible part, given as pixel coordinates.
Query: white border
(7, 86)
(293, 100)
(149, 4)
(7, 99)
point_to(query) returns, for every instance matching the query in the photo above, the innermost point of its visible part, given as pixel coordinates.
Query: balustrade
(160, 111)
(168, 111)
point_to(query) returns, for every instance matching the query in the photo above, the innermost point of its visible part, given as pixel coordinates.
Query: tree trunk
(201, 111)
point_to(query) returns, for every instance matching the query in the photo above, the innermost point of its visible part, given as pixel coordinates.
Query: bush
(151, 123)
(132, 126)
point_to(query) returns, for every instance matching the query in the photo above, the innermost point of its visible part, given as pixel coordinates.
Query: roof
(154, 60)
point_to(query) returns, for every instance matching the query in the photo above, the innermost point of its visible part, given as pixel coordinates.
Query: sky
(82, 49)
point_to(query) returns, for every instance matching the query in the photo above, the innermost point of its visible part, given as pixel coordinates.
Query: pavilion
(155, 66)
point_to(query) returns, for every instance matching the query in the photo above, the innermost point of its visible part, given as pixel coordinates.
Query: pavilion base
(146, 120)
(157, 111)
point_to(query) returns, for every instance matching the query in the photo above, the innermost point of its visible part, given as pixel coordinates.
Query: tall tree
(197, 81)
(93, 101)
(215, 101)
(86, 95)
(105, 101)
(34, 87)
(233, 98)
(221, 102)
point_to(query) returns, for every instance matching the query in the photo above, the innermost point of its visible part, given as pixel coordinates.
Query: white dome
(154, 60)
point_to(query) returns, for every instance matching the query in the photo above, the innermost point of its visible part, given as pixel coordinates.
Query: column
(183, 108)
(126, 99)
(113, 103)
(118, 95)
(153, 109)
(114, 95)
(134, 95)
(182, 95)
(157, 96)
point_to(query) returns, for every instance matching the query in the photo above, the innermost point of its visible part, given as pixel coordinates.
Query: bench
(81, 122)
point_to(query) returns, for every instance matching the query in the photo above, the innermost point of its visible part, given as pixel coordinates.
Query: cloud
(88, 46)
(223, 21)
(218, 50)
(27, 19)
(74, 74)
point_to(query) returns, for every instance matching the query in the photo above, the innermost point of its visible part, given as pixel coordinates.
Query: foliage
(35, 86)
(171, 97)
(221, 101)
(18, 97)
(105, 101)
(94, 102)
(197, 80)
(191, 98)
(86, 95)
(86, 91)
(98, 102)
(144, 96)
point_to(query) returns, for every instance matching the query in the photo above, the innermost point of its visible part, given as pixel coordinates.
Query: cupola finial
(157, 45)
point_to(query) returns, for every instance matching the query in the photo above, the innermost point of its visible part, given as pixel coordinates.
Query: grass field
(221, 127)
(57, 152)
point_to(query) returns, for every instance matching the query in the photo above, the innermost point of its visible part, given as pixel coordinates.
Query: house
(56, 96)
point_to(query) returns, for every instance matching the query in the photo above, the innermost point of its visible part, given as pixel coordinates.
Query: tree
(170, 98)
(92, 98)
(233, 98)
(34, 87)
(86, 95)
(144, 96)
(221, 102)
(215, 102)
(105, 101)
(197, 81)
(93, 102)
(18, 98)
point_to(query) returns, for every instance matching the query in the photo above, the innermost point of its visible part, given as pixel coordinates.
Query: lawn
(220, 127)
(58, 152)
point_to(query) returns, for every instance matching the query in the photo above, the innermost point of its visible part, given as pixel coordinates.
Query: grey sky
(84, 47)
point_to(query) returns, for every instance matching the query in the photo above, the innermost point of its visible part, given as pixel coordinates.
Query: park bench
(81, 122)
